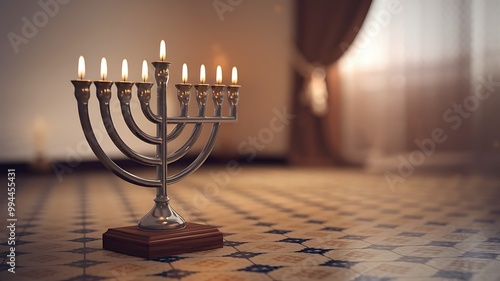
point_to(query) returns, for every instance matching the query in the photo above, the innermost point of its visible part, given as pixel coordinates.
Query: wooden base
(159, 243)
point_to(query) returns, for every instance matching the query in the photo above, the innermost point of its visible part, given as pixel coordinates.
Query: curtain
(325, 29)
(420, 85)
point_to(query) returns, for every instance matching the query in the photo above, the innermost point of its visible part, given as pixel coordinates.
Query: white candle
(144, 71)
(163, 50)
(202, 74)
(218, 75)
(124, 70)
(104, 69)
(184, 73)
(234, 76)
(81, 67)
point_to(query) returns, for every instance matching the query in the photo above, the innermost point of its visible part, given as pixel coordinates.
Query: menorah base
(152, 244)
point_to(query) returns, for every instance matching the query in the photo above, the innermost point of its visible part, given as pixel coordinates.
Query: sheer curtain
(418, 85)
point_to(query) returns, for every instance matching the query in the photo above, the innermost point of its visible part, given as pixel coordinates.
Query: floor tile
(313, 273)
(211, 264)
(350, 227)
(360, 255)
(289, 259)
(428, 251)
(270, 247)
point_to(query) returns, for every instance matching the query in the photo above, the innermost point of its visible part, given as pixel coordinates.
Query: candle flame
(234, 76)
(218, 75)
(202, 74)
(184, 73)
(81, 67)
(104, 69)
(163, 50)
(144, 71)
(124, 70)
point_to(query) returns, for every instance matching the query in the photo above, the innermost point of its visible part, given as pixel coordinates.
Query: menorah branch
(202, 157)
(184, 149)
(102, 89)
(82, 90)
(175, 131)
(148, 113)
(144, 95)
(125, 95)
(134, 128)
(187, 120)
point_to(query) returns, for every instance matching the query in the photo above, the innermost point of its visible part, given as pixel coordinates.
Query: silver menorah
(162, 216)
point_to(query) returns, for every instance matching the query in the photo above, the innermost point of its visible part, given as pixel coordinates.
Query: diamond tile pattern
(278, 224)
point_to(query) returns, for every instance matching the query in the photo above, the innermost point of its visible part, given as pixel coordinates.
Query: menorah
(161, 231)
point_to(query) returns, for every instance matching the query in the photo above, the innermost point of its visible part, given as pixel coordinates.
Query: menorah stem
(162, 216)
(162, 75)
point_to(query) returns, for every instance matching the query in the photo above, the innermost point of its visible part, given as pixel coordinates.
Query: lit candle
(81, 68)
(202, 74)
(184, 73)
(124, 70)
(144, 71)
(104, 69)
(218, 75)
(234, 76)
(163, 50)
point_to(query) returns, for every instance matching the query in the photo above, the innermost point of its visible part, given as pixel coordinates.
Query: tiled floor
(279, 224)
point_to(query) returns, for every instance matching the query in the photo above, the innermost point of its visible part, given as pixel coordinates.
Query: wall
(38, 108)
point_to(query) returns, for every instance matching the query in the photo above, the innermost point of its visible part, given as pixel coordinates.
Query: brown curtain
(324, 29)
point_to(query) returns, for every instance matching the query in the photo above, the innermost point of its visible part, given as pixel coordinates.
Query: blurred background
(382, 84)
